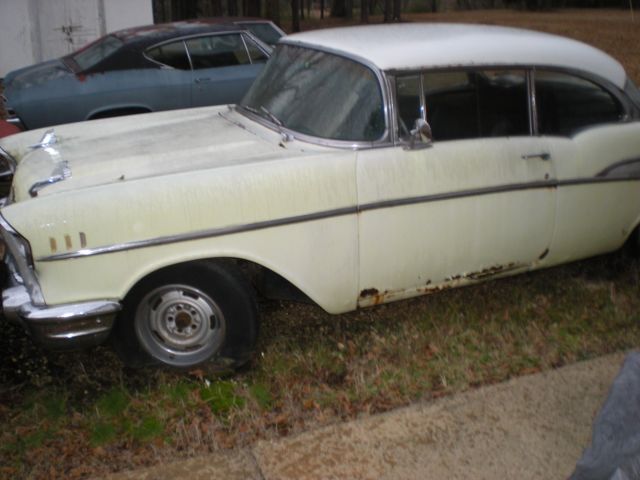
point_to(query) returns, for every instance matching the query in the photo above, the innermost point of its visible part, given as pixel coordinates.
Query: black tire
(187, 315)
(633, 243)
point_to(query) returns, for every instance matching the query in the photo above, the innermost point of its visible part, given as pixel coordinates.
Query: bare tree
(295, 15)
(397, 8)
(338, 8)
(364, 11)
(387, 10)
(252, 8)
(216, 8)
(273, 11)
(232, 8)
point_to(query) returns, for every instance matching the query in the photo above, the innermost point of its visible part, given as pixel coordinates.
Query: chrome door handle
(542, 156)
(202, 80)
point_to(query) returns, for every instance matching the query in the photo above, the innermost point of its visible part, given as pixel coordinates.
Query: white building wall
(121, 14)
(33, 31)
(15, 35)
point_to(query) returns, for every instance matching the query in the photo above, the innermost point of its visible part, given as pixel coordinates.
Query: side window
(255, 53)
(217, 51)
(170, 54)
(566, 103)
(462, 104)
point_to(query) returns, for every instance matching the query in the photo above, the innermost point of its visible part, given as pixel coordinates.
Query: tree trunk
(348, 13)
(232, 8)
(273, 11)
(321, 9)
(216, 8)
(397, 9)
(364, 11)
(387, 10)
(338, 8)
(252, 8)
(181, 10)
(295, 15)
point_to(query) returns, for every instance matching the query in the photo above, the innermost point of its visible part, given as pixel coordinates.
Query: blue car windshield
(97, 51)
(318, 94)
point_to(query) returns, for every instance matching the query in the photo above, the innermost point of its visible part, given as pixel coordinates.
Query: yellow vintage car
(364, 165)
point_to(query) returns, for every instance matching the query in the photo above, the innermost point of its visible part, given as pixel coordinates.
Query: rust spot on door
(369, 292)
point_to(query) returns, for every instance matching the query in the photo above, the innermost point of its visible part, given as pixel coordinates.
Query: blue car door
(224, 66)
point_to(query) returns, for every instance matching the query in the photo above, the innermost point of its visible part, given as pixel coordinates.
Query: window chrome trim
(164, 65)
(260, 45)
(184, 40)
(607, 175)
(630, 111)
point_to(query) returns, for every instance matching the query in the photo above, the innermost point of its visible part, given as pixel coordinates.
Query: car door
(477, 202)
(224, 66)
(169, 86)
(595, 148)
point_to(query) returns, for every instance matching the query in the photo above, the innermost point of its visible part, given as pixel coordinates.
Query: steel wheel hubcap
(180, 325)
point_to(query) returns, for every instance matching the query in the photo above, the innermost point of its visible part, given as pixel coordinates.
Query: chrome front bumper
(69, 326)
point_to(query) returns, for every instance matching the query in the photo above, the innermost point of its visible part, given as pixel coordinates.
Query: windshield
(96, 52)
(318, 94)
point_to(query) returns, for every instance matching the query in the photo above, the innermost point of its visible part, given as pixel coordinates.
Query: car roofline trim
(604, 176)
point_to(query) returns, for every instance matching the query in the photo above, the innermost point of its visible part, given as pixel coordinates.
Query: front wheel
(187, 315)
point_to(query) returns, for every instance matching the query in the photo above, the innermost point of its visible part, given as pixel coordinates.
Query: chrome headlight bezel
(7, 163)
(19, 257)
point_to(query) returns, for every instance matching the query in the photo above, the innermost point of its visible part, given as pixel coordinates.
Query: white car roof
(432, 45)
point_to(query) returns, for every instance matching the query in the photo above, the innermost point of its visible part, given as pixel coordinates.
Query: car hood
(124, 149)
(34, 75)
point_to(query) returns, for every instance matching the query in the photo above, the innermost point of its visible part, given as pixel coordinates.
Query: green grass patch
(113, 403)
(221, 396)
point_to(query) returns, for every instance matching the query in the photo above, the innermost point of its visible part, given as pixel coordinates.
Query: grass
(83, 414)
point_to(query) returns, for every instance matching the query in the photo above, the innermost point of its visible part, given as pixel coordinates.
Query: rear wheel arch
(118, 112)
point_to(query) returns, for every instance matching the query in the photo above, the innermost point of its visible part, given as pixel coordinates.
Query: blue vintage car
(143, 69)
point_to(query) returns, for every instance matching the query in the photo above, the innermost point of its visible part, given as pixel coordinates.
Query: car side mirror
(421, 136)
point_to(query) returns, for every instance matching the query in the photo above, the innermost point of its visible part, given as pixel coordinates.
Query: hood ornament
(61, 172)
(48, 138)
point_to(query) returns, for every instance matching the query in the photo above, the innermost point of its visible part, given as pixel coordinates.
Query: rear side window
(170, 54)
(567, 104)
(465, 104)
(217, 51)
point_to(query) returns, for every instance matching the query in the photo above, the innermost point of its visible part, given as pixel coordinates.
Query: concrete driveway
(533, 427)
